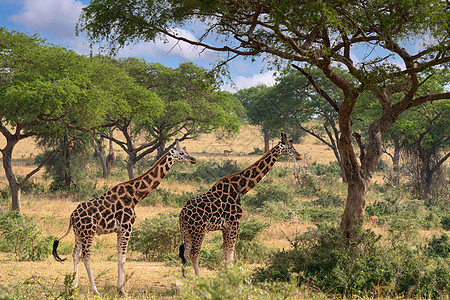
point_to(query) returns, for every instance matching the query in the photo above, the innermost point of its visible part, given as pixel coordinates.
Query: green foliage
(23, 238)
(166, 197)
(364, 267)
(308, 185)
(208, 171)
(267, 192)
(248, 248)
(36, 287)
(445, 221)
(322, 169)
(439, 246)
(157, 238)
(236, 283)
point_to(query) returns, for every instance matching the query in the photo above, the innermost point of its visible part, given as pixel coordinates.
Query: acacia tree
(318, 33)
(191, 106)
(48, 91)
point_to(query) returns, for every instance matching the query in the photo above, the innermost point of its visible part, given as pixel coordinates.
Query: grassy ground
(144, 279)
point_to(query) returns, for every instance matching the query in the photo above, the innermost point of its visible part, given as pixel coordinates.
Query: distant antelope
(373, 220)
(227, 152)
(31, 155)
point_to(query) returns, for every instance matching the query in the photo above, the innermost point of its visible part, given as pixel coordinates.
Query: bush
(322, 169)
(236, 283)
(363, 268)
(22, 237)
(445, 222)
(248, 248)
(157, 238)
(308, 185)
(208, 172)
(439, 246)
(267, 192)
(163, 196)
(329, 200)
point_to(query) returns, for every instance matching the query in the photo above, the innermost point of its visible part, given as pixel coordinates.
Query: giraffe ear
(178, 145)
(184, 149)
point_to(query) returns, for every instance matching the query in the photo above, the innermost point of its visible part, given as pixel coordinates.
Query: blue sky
(55, 21)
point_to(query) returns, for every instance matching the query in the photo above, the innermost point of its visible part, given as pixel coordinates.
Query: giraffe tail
(56, 243)
(183, 259)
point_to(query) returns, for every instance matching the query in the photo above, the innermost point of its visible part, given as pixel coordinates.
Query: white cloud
(55, 16)
(243, 82)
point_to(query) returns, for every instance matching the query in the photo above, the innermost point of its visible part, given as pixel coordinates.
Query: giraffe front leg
(229, 243)
(122, 243)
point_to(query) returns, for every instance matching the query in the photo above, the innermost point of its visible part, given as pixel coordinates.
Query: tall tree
(192, 105)
(318, 33)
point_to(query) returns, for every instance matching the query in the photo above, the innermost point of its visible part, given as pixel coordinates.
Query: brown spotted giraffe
(220, 207)
(114, 212)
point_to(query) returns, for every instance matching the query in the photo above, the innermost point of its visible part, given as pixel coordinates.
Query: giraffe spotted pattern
(114, 212)
(220, 207)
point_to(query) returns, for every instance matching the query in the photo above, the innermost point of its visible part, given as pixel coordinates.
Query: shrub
(439, 246)
(209, 171)
(248, 248)
(22, 237)
(361, 268)
(322, 169)
(267, 192)
(163, 196)
(308, 185)
(157, 238)
(236, 283)
(445, 222)
(329, 200)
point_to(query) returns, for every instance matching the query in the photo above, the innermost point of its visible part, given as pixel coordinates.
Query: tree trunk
(426, 176)
(100, 155)
(12, 180)
(161, 149)
(67, 174)
(131, 163)
(266, 141)
(396, 156)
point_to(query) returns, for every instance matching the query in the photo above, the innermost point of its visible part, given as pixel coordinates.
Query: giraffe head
(286, 148)
(180, 154)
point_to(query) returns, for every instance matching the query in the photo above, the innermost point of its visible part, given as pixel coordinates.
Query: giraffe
(114, 212)
(220, 208)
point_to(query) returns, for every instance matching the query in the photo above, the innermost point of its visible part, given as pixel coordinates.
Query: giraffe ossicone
(114, 212)
(220, 208)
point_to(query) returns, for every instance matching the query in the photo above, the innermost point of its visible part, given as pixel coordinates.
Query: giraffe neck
(149, 181)
(254, 173)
